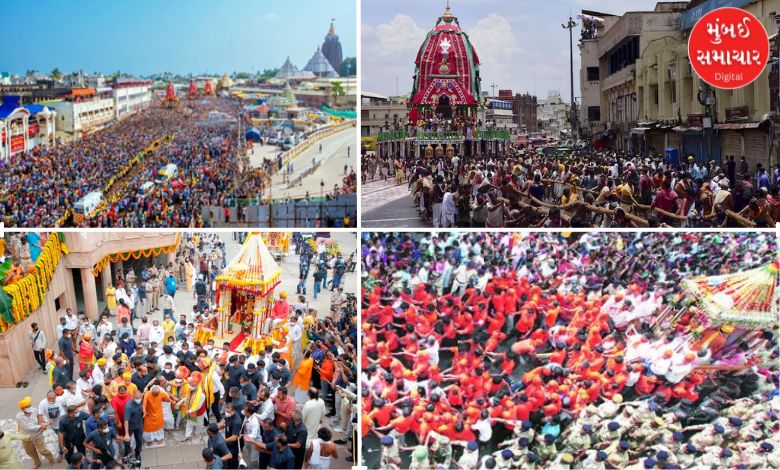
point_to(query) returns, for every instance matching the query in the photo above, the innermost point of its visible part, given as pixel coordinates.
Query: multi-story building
(379, 112)
(594, 26)
(82, 111)
(553, 114)
(619, 49)
(651, 99)
(131, 96)
(681, 112)
(498, 114)
(24, 127)
(525, 111)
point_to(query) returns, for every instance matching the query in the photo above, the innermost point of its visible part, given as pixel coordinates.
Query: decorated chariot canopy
(747, 299)
(277, 241)
(447, 67)
(252, 270)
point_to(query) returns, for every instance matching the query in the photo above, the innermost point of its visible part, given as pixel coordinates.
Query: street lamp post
(570, 26)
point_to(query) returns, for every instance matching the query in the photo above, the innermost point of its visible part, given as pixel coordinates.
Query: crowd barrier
(297, 180)
(311, 213)
(314, 138)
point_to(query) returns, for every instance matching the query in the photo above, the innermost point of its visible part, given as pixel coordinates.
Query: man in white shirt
(104, 327)
(432, 348)
(252, 429)
(266, 405)
(72, 396)
(87, 327)
(99, 371)
(38, 341)
(294, 334)
(50, 410)
(71, 321)
(156, 333)
(313, 412)
(60, 327)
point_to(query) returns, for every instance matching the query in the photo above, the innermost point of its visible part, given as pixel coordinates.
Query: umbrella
(747, 299)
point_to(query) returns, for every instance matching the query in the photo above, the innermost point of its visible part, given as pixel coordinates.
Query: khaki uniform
(546, 452)
(182, 269)
(590, 462)
(154, 294)
(753, 457)
(617, 458)
(686, 460)
(711, 459)
(130, 278)
(577, 440)
(34, 443)
(707, 437)
(604, 434)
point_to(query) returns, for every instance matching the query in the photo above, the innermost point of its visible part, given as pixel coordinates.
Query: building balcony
(620, 77)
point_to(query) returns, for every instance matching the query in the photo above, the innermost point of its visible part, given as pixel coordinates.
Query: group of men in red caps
(523, 352)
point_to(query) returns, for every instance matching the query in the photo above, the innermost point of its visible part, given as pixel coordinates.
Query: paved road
(385, 204)
(331, 170)
(175, 454)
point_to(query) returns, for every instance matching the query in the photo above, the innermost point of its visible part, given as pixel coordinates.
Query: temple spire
(332, 29)
(448, 17)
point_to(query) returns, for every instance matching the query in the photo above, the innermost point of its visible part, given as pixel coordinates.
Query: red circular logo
(728, 48)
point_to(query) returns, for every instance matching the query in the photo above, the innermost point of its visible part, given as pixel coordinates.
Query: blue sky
(148, 36)
(520, 42)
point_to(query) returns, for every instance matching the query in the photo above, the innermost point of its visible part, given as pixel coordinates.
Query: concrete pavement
(332, 160)
(387, 204)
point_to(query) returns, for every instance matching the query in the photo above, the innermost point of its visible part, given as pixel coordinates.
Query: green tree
(242, 76)
(56, 74)
(268, 73)
(336, 89)
(348, 67)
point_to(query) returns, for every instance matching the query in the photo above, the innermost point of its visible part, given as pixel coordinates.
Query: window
(593, 74)
(594, 113)
(655, 94)
(674, 92)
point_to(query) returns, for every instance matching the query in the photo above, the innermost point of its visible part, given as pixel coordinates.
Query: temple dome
(446, 67)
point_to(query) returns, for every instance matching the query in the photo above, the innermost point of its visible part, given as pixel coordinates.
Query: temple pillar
(89, 292)
(171, 257)
(105, 276)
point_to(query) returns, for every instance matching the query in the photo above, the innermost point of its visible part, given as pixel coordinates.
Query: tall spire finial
(332, 29)
(448, 17)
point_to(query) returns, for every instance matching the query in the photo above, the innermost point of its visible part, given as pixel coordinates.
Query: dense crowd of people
(138, 378)
(504, 350)
(583, 187)
(41, 187)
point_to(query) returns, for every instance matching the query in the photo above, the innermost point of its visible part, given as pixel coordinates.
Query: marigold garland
(28, 293)
(137, 254)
